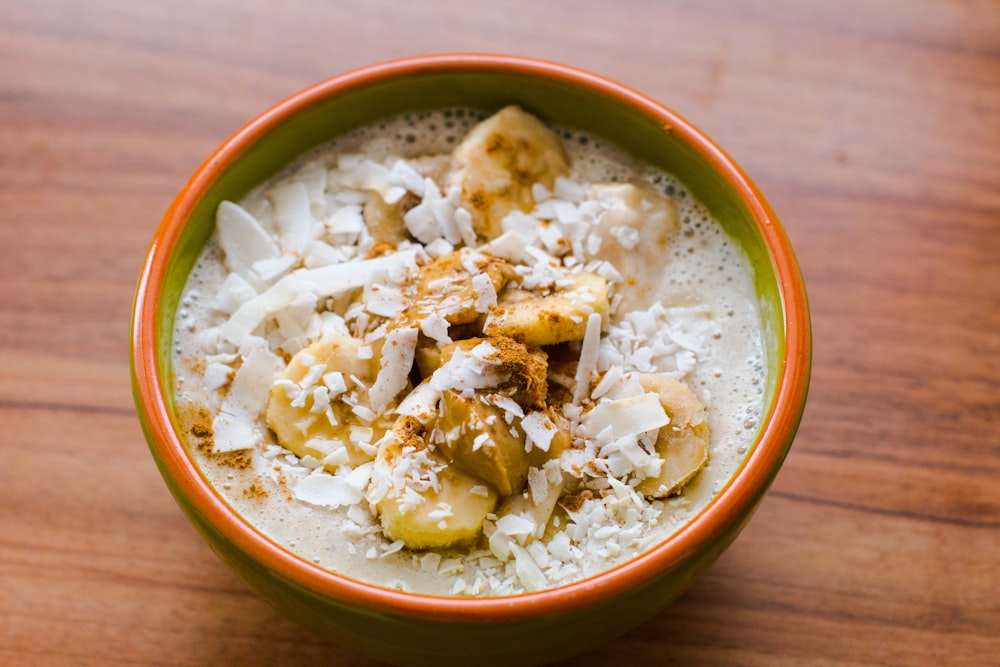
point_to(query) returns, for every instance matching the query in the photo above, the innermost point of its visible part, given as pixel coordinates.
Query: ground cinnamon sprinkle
(283, 483)
(204, 441)
(198, 365)
(228, 384)
(379, 249)
(241, 459)
(201, 429)
(575, 502)
(527, 371)
(256, 489)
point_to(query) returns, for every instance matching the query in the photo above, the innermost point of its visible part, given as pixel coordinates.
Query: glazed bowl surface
(531, 628)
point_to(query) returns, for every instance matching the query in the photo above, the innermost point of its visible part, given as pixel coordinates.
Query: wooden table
(874, 129)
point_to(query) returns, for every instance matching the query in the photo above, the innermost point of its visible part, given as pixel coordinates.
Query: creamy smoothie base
(686, 312)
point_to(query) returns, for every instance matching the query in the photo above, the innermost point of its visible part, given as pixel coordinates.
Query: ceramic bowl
(518, 630)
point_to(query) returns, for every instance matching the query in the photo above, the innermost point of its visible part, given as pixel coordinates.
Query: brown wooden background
(873, 128)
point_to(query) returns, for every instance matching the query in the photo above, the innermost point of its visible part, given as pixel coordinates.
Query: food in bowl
(469, 355)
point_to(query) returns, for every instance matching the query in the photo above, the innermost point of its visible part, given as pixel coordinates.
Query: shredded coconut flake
(626, 417)
(323, 282)
(539, 429)
(486, 294)
(587, 365)
(331, 491)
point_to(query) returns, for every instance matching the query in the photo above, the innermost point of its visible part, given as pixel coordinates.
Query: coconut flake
(627, 237)
(430, 561)
(242, 238)
(435, 326)
(231, 433)
(539, 429)
(515, 525)
(394, 370)
(611, 376)
(325, 281)
(539, 192)
(528, 572)
(509, 246)
(438, 248)
(234, 425)
(269, 270)
(420, 222)
(625, 417)
(233, 292)
(467, 370)
(293, 215)
(345, 225)
(485, 293)
(216, 375)
(337, 457)
(252, 383)
(508, 405)
(463, 220)
(553, 239)
(569, 189)
(526, 226)
(587, 366)
(384, 300)
(421, 403)
(538, 485)
(404, 175)
(361, 173)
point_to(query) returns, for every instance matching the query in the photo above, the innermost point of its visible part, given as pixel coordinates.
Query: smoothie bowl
(469, 358)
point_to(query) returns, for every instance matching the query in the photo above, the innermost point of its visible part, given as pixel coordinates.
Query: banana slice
(559, 317)
(419, 498)
(450, 287)
(683, 443)
(428, 357)
(478, 439)
(517, 370)
(305, 408)
(498, 162)
(635, 229)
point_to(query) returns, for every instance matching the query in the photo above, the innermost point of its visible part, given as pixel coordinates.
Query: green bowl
(523, 629)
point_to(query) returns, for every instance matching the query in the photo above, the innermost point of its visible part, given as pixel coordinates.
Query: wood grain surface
(872, 127)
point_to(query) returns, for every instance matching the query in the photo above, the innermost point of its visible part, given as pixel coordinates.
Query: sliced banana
(305, 408)
(548, 319)
(517, 370)
(478, 439)
(635, 229)
(489, 442)
(683, 443)
(497, 164)
(450, 287)
(422, 500)
(427, 357)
